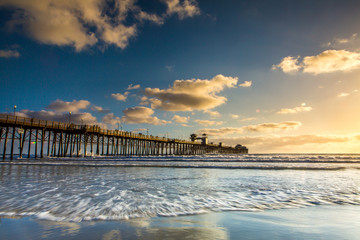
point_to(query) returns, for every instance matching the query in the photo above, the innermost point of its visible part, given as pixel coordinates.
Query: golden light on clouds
(326, 62)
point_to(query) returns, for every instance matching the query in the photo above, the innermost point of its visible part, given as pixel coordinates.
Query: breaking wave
(79, 193)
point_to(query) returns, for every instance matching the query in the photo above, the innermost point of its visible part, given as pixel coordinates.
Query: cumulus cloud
(264, 127)
(76, 118)
(180, 119)
(99, 109)
(119, 96)
(326, 62)
(9, 54)
(288, 65)
(185, 8)
(246, 84)
(80, 23)
(141, 114)
(189, 95)
(111, 119)
(208, 123)
(62, 106)
(302, 108)
(132, 87)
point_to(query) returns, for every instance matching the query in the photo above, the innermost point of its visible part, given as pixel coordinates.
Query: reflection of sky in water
(321, 222)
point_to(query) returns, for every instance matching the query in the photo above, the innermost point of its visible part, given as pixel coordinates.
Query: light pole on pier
(14, 110)
(69, 117)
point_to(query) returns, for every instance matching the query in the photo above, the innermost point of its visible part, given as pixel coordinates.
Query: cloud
(209, 122)
(169, 68)
(131, 87)
(302, 108)
(180, 119)
(99, 109)
(247, 119)
(271, 143)
(74, 106)
(111, 119)
(326, 62)
(141, 114)
(76, 118)
(9, 54)
(213, 114)
(246, 84)
(119, 96)
(185, 8)
(80, 23)
(341, 95)
(189, 95)
(264, 127)
(339, 41)
(140, 130)
(234, 116)
(288, 65)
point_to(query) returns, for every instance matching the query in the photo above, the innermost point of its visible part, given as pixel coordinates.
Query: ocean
(114, 192)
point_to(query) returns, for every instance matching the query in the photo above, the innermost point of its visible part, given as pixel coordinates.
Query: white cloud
(169, 68)
(80, 23)
(264, 127)
(288, 65)
(234, 116)
(140, 114)
(189, 95)
(9, 54)
(119, 96)
(76, 117)
(326, 62)
(302, 108)
(99, 109)
(213, 114)
(341, 95)
(111, 119)
(246, 84)
(208, 123)
(132, 87)
(340, 41)
(140, 130)
(74, 106)
(180, 119)
(185, 8)
(247, 119)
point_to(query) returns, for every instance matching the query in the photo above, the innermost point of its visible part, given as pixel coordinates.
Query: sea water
(121, 188)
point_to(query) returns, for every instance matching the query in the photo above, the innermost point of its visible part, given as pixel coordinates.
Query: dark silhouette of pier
(35, 138)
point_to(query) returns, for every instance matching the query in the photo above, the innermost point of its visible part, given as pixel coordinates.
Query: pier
(34, 138)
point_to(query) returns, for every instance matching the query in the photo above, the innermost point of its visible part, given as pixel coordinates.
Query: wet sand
(319, 222)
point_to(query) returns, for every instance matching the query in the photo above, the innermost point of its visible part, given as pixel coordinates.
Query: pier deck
(35, 138)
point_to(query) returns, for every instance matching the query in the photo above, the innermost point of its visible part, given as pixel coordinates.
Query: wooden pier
(34, 138)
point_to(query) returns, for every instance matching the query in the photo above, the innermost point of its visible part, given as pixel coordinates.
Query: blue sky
(276, 76)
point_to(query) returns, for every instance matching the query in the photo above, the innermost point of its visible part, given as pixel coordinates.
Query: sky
(276, 76)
